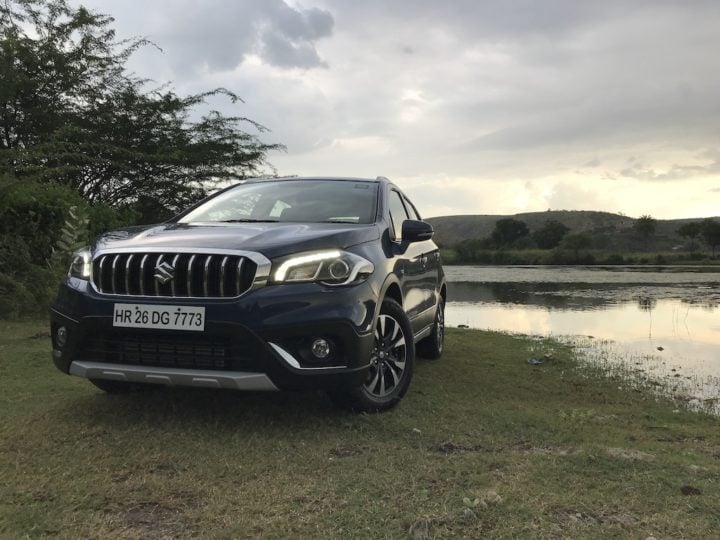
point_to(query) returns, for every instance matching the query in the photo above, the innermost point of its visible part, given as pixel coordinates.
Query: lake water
(664, 321)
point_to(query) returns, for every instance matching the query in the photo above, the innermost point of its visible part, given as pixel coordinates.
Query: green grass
(483, 445)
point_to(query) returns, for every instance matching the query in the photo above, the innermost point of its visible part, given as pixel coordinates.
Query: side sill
(232, 380)
(423, 333)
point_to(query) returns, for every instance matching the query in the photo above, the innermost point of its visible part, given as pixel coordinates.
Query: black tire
(393, 358)
(112, 387)
(432, 346)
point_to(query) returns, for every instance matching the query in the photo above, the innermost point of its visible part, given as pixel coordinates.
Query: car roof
(376, 180)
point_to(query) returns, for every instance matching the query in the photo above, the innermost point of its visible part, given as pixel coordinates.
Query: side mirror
(416, 231)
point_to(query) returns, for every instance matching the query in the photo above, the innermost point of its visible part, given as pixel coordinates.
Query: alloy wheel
(388, 357)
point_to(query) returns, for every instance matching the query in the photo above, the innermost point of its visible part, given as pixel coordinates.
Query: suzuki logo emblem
(164, 272)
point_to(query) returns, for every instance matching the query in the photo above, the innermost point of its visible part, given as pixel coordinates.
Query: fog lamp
(320, 348)
(61, 336)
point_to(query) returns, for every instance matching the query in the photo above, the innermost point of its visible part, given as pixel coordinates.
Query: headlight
(332, 267)
(80, 265)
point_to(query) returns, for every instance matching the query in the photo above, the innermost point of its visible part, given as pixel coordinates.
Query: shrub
(104, 218)
(34, 215)
(15, 299)
(40, 226)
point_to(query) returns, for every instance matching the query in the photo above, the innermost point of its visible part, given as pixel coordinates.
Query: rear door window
(398, 214)
(411, 209)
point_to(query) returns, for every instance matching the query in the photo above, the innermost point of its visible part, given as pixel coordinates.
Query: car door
(409, 265)
(430, 271)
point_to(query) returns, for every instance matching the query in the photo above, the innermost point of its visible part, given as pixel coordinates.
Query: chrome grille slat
(189, 275)
(195, 275)
(206, 274)
(142, 274)
(113, 273)
(157, 283)
(127, 273)
(173, 289)
(223, 268)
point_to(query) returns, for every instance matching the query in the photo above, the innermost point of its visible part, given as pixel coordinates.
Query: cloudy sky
(491, 107)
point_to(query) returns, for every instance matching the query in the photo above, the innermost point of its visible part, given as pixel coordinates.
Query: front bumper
(257, 342)
(231, 380)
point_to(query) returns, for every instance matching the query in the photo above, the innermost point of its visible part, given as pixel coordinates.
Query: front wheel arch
(391, 326)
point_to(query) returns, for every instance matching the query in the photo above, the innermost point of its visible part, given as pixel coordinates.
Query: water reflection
(670, 320)
(585, 274)
(646, 304)
(581, 296)
(669, 324)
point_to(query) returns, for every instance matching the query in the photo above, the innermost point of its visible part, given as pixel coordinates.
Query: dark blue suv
(284, 283)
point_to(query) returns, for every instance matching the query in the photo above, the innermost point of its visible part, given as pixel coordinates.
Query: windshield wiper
(247, 220)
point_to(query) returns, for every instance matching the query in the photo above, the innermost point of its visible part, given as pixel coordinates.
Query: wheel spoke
(396, 329)
(372, 384)
(382, 380)
(400, 364)
(398, 343)
(382, 321)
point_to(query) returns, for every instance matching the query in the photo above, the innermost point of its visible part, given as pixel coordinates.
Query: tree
(645, 226)
(711, 233)
(690, 231)
(576, 242)
(469, 250)
(508, 230)
(550, 234)
(70, 113)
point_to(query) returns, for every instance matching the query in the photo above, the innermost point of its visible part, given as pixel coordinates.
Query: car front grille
(187, 275)
(148, 349)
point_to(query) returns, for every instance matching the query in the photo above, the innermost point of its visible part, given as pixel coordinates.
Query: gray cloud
(675, 172)
(494, 91)
(305, 24)
(279, 50)
(288, 40)
(513, 76)
(218, 35)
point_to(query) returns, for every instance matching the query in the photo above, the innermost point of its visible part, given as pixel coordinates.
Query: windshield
(300, 201)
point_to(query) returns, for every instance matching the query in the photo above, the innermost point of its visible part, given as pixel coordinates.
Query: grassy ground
(483, 444)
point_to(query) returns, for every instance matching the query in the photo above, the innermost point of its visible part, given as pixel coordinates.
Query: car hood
(270, 239)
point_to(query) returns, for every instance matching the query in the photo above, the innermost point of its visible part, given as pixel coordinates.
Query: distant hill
(609, 231)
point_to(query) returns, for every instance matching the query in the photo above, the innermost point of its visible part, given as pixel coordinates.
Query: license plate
(159, 317)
